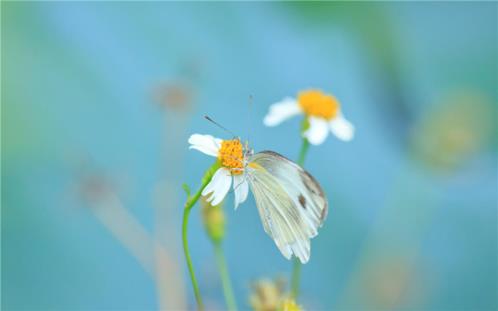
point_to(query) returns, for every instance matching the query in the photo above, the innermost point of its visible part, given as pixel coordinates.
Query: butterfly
(291, 203)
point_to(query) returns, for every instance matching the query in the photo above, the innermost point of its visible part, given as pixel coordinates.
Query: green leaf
(186, 188)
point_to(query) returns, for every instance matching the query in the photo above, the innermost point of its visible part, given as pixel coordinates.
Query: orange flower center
(231, 155)
(318, 104)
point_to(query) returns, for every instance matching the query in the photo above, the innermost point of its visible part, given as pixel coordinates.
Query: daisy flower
(322, 111)
(230, 154)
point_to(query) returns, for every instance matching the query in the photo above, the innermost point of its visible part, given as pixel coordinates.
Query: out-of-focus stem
(296, 266)
(225, 277)
(126, 229)
(170, 282)
(296, 277)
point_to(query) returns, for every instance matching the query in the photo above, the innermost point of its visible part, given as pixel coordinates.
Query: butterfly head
(248, 151)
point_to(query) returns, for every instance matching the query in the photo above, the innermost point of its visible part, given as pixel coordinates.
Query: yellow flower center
(318, 104)
(231, 155)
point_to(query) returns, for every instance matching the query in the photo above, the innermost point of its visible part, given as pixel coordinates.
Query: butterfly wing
(291, 203)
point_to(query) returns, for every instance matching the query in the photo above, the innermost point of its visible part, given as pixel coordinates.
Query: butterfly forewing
(291, 203)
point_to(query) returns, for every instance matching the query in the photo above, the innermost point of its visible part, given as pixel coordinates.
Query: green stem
(296, 266)
(191, 200)
(302, 153)
(296, 277)
(225, 277)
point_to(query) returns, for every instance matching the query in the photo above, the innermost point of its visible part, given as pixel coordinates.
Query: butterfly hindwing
(291, 204)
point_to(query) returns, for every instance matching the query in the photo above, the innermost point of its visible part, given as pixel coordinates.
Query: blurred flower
(388, 283)
(231, 158)
(179, 92)
(322, 111)
(94, 187)
(267, 295)
(290, 305)
(214, 220)
(175, 95)
(97, 191)
(457, 129)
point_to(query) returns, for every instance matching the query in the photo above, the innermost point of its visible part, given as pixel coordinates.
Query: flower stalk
(296, 266)
(214, 223)
(191, 200)
(304, 150)
(225, 277)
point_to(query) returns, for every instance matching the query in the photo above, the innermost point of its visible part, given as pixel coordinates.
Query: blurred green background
(98, 100)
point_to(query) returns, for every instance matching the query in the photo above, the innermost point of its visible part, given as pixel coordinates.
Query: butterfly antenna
(219, 125)
(249, 117)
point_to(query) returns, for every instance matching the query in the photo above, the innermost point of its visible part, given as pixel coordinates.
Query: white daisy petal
(318, 131)
(282, 111)
(210, 190)
(219, 186)
(205, 143)
(342, 128)
(241, 189)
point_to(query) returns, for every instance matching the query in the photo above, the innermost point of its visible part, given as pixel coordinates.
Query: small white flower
(230, 153)
(322, 110)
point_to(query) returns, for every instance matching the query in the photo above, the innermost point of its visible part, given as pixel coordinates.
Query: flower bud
(214, 220)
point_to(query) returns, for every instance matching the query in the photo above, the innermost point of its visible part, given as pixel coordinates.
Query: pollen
(318, 104)
(231, 156)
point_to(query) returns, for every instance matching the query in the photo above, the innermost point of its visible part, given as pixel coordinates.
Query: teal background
(87, 95)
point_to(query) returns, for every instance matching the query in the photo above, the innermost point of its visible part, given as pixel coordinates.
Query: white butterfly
(291, 203)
